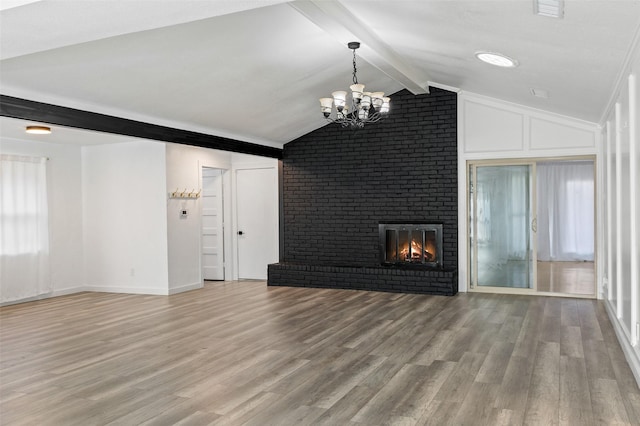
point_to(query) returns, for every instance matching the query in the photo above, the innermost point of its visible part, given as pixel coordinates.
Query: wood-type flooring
(237, 353)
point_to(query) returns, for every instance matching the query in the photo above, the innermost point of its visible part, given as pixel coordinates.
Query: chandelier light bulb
(384, 109)
(340, 99)
(326, 104)
(376, 99)
(356, 91)
(366, 100)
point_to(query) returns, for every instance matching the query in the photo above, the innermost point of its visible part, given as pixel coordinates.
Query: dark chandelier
(364, 108)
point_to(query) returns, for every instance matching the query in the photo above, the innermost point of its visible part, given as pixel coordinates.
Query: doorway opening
(532, 226)
(212, 225)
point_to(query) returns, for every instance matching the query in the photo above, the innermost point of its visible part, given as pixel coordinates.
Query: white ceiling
(253, 70)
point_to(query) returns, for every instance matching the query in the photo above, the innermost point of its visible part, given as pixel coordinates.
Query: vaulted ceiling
(254, 70)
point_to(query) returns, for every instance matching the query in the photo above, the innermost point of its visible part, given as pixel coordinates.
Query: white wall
(621, 150)
(125, 217)
(184, 171)
(492, 129)
(113, 226)
(65, 209)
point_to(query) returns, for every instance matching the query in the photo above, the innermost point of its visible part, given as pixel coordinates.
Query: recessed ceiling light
(550, 8)
(38, 130)
(497, 59)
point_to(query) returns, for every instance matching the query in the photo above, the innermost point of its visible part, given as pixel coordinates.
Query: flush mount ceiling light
(497, 59)
(38, 130)
(364, 108)
(550, 8)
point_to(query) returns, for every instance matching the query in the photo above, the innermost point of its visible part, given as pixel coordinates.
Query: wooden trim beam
(63, 116)
(337, 21)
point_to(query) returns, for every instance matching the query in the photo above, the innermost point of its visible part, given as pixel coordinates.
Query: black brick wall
(339, 184)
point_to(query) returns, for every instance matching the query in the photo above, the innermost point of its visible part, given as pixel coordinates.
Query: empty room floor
(244, 353)
(567, 277)
(576, 278)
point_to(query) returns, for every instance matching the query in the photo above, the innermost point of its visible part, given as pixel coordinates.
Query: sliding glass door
(532, 226)
(502, 226)
(566, 226)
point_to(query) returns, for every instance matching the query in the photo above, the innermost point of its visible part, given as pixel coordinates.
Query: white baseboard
(54, 293)
(154, 291)
(67, 291)
(186, 287)
(628, 350)
(26, 299)
(104, 289)
(75, 290)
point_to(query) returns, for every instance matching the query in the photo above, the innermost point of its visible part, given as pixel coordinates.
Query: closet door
(502, 226)
(257, 219)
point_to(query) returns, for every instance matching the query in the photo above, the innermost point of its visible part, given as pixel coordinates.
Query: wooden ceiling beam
(344, 26)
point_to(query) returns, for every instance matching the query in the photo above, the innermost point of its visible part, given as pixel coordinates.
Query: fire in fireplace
(415, 244)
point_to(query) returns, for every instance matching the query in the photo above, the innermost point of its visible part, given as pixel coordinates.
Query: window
(24, 231)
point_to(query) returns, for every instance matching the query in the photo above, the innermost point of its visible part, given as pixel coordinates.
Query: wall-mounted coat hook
(184, 194)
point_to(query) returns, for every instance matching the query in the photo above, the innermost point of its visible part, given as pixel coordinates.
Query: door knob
(240, 232)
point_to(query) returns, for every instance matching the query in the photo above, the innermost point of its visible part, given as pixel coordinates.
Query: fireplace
(336, 189)
(411, 244)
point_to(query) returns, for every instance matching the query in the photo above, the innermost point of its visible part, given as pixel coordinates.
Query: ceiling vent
(550, 8)
(540, 93)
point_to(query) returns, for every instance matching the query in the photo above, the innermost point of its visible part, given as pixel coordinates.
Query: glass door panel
(501, 223)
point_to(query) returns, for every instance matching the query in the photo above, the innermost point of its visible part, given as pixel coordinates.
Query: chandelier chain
(355, 77)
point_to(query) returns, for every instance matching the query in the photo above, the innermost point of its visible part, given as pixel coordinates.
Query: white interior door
(257, 211)
(212, 225)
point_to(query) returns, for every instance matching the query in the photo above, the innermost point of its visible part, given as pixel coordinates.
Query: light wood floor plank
(455, 388)
(238, 353)
(571, 342)
(439, 413)
(575, 396)
(477, 407)
(514, 389)
(544, 392)
(406, 394)
(606, 400)
(495, 363)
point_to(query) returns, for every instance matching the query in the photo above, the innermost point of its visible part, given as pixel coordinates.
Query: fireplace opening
(411, 244)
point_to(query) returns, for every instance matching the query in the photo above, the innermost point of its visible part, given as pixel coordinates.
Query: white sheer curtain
(503, 212)
(565, 211)
(24, 230)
